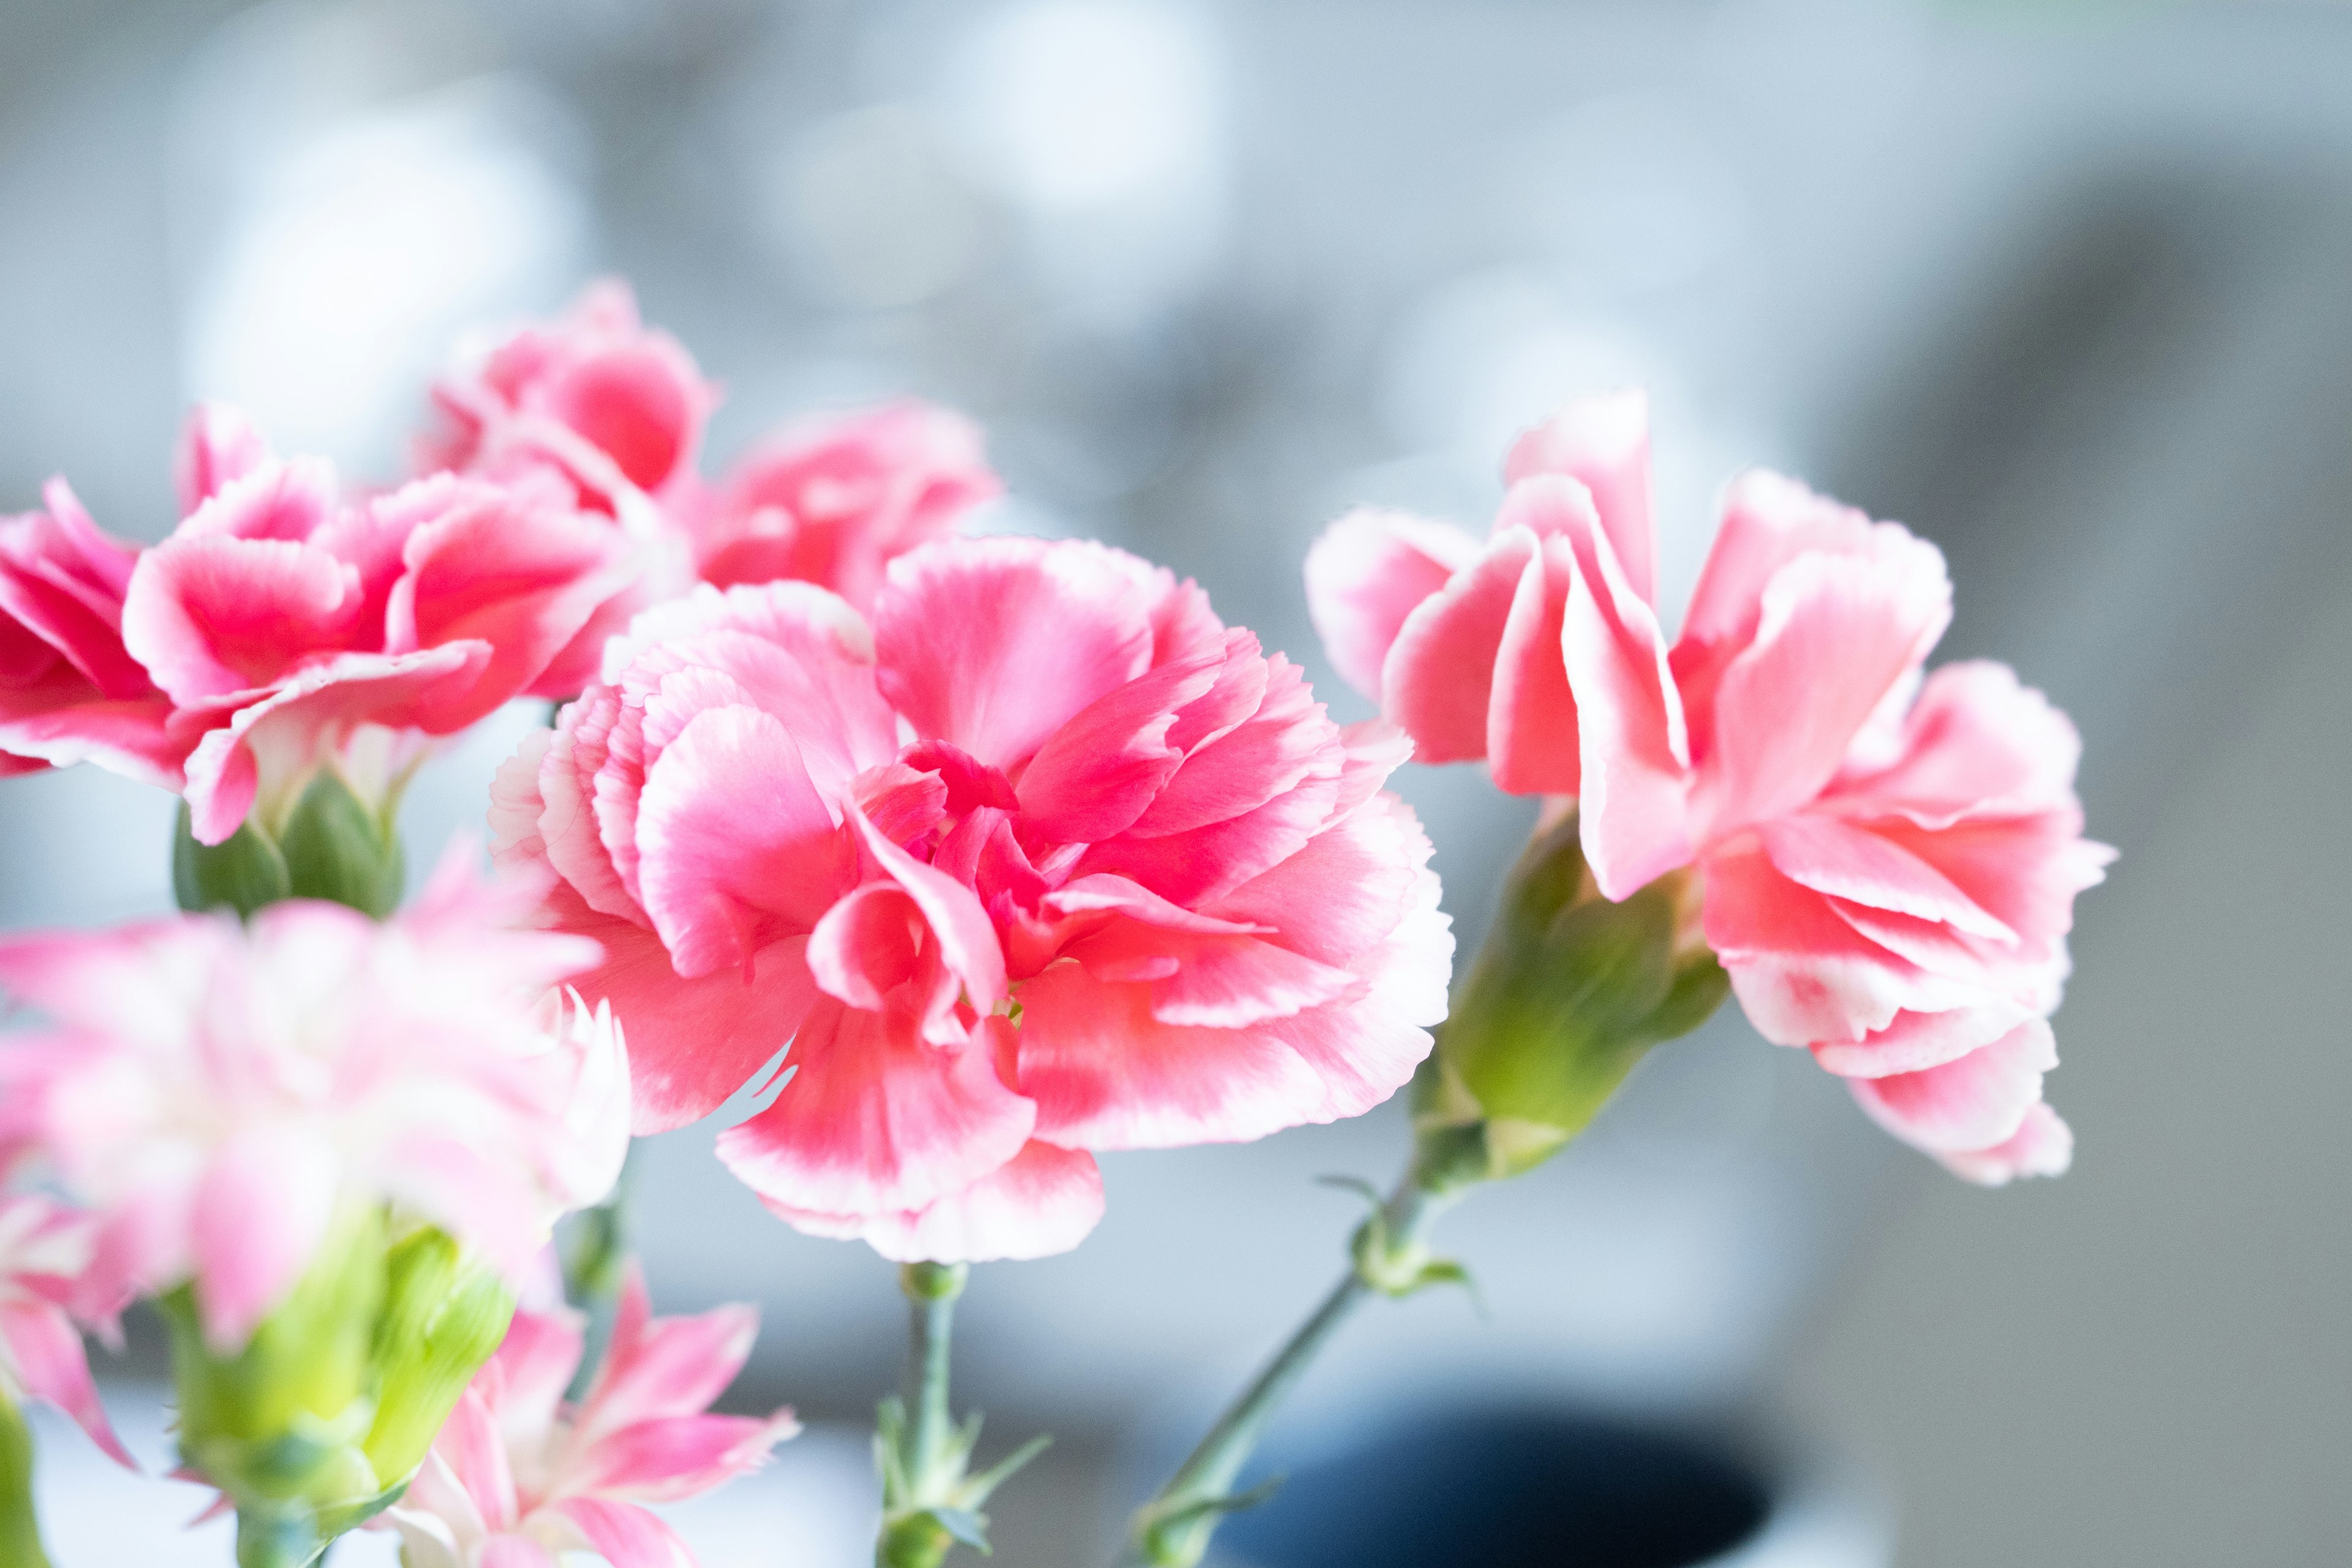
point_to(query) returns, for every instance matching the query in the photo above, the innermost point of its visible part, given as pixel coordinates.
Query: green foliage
(20, 1529)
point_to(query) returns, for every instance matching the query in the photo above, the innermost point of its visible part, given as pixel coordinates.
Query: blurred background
(2067, 288)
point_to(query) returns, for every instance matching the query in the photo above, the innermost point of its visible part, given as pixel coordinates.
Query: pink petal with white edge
(1831, 856)
(217, 614)
(1977, 742)
(1368, 571)
(45, 1351)
(658, 1368)
(1976, 1102)
(875, 1121)
(1836, 632)
(1604, 443)
(624, 1534)
(2042, 1146)
(1096, 774)
(670, 1458)
(1045, 1201)
(1107, 1074)
(692, 1043)
(260, 1212)
(737, 849)
(1440, 675)
(219, 445)
(1531, 714)
(1803, 974)
(294, 723)
(1914, 1041)
(513, 1552)
(994, 644)
(966, 937)
(1634, 752)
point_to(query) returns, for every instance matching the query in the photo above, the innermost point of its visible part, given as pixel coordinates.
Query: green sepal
(242, 873)
(20, 1526)
(963, 1525)
(1181, 1534)
(1569, 991)
(444, 1312)
(337, 848)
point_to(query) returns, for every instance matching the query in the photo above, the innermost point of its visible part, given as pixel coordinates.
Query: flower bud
(1567, 994)
(318, 1422)
(331, 844)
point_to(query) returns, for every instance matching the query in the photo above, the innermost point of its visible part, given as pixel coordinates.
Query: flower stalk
(929, 1502)
(20, 1528)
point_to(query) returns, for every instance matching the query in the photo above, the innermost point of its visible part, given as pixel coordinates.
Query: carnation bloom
(834, 500)
(1047, 860)
(519, 1476)
(45, 1257)
(290, 627)
(213, 1091)
(1889, 866)
(617, 410)
(68, 690)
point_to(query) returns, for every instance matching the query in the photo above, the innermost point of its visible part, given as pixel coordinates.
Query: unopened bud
(1568, 994)
(318, 1422)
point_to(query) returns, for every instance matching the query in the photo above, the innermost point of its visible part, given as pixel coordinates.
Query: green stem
(593, 1259)
(925, 1474)
(20, 1526)
(931, 1327)
(1172, 1530)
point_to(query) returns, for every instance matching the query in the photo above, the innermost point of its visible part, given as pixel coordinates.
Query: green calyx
(318, 1420)
(20, 1528)
(1568, 992)
(331, 844)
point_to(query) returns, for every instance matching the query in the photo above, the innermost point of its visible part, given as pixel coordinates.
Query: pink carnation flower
(616, 408)
(1048, 860)
(289, 626)
(519, 1476)
(1889, 867)
(68, 690)
(44, 1258)
(214, 1090)
(833, 501)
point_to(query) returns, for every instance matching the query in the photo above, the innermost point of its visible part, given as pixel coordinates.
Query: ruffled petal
(1046, 1200)
(1440, 676)
(1976, 1101)
(1604, 443)
(1367, 572)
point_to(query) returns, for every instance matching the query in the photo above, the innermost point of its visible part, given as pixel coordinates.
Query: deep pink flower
(519, 1476)
(1048, 860)
(212, 1091)
(45, 1259)
(1889, 867)
(68, 692)
(614, 407)
(834, 500)
(289, 626)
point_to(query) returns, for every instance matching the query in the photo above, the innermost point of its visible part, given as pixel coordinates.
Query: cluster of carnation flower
(982, 854)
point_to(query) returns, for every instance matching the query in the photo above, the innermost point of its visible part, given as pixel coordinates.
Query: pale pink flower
(519, 1476)
(212, 1091)
(292, 626)
(1048, 860)
(1889, 867)
(614, 407)
(45, 1262)
(834, 500)
(68, 690)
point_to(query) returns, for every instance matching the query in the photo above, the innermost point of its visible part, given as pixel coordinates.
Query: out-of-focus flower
(834, 500)
(519, 1476)
(291, 627)
(1125, 887)
(46, 1251)
(218, 1093)
(616, 408)
(68, 690)
(1888, 866)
